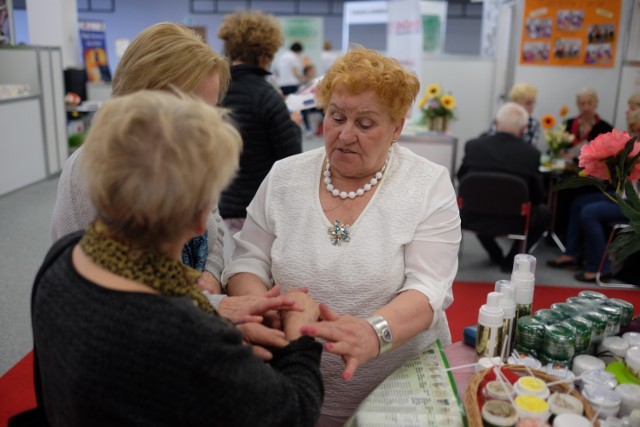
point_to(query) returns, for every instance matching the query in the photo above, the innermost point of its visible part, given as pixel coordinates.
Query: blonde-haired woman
(251, 39)
(122, 335)
(370, 227)
(588, 124)
(163, 56)
(526, 94)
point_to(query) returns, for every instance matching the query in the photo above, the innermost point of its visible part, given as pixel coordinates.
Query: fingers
(273, 292)
(259, 334)
(350, 368)
(327, 314)
(276, 303)
(262, 353)
(248, 319)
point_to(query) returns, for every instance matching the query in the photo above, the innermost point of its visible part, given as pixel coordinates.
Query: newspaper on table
(420, 393)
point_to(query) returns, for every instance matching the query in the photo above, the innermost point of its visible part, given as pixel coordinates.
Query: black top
(110, 358)
(600, 127)
(504, 152)
(268, 134)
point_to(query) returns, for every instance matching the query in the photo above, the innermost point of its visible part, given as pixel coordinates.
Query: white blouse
(407, 237)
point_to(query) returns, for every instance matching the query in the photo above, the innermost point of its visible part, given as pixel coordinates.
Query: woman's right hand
(294, 320)
(252, 308)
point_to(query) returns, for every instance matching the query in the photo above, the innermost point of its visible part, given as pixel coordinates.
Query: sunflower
(564, 110)
(448, 102)
(433, 89)
(548, 121)
(423, 101)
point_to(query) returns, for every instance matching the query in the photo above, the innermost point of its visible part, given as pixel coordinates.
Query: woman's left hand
(350, 337)
(261, 337)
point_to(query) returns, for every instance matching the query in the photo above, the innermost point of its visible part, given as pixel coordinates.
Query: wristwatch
(381, 327)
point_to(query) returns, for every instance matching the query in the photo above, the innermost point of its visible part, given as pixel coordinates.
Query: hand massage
(343, 257)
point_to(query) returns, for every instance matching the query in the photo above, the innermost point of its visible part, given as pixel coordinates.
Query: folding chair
(495, 204)
(615, 228)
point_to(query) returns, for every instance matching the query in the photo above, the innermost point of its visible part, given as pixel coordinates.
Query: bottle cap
(508, 300)
(632, 360)
(523, 277)
(571, 420)
(491, 314)
(563, 403)
(630, 395)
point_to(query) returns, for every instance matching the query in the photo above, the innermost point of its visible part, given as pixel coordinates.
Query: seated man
(505, 152)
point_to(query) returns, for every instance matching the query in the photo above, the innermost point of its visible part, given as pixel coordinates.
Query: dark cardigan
(110, 358)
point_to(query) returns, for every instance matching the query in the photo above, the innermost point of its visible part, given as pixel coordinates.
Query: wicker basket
(474, 417)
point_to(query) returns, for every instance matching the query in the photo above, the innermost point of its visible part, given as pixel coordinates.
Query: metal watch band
(381, 327)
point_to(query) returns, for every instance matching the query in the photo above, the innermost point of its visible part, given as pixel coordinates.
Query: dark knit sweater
(268, 134)
(110, 358)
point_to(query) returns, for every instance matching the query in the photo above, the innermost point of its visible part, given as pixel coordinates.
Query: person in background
(587, 125)
(327, 57)
(633, 104)
(371, 228)
(122, 335)
(308, 75)
(504, 152)
(250, 41)
(288, 68)
(589, 216)
(164, 55)
(525, 95)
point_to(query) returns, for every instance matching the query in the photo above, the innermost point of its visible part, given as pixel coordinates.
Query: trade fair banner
(404, 33)
(570, 32)
(94, 50)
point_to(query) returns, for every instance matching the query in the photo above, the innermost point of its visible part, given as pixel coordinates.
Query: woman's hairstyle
(521, 92)
(634, 100)
(165, 55)
(361, 70)
(587, 92)
(512, 118)
(250, 35)
(153, 161)
(633, 123)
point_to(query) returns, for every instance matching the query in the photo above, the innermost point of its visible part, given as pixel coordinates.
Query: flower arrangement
(557, 137)
(436, 107)
(613, 158)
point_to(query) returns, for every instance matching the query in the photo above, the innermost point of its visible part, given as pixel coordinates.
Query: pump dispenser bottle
(490, 327)
(508, 304)
(523, 278)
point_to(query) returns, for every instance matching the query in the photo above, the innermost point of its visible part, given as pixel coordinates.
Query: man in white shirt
(289, 69)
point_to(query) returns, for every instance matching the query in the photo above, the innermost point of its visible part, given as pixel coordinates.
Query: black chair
(615, 228)
(495, 204)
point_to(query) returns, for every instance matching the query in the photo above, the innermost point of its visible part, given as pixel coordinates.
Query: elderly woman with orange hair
(371, 228)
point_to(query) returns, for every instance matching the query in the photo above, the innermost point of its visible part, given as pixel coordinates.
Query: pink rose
(594, 154)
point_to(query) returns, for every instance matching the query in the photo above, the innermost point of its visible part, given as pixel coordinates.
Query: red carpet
(16, 386)
(469, 296)
(16, 389)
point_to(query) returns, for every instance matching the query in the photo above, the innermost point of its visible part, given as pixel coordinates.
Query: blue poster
(94, 50)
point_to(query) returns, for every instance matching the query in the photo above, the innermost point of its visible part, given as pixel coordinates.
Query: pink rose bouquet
(613, 158)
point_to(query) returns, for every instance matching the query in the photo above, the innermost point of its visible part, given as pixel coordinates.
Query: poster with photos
(577, 33)
(5, 22)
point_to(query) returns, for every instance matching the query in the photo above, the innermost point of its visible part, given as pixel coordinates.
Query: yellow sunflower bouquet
(437, 108)
(558, 139)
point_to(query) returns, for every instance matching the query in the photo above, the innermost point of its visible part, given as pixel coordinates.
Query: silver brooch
(339, 233)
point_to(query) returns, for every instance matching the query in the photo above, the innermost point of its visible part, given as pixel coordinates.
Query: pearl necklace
(360, 191)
